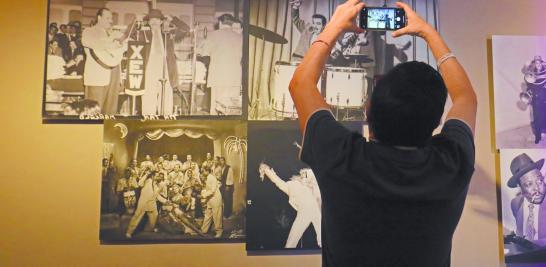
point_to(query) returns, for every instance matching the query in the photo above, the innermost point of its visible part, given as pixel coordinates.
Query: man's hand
(416, 25)
(344, 18)
(295, 3)
(265, 170)
(262, 169)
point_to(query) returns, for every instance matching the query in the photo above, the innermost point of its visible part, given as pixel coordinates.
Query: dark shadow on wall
(483, 188)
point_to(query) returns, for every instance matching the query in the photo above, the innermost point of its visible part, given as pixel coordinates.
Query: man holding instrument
(102, 74)
(396, 199)
(535, 79)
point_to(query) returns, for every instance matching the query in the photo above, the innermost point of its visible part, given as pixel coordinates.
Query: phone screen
(382, 18)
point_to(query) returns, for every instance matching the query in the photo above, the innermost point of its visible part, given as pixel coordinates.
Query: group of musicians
(171, 193)
(102, 79)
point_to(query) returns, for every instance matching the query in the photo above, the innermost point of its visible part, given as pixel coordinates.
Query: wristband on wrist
(444, 58)
(321, 41)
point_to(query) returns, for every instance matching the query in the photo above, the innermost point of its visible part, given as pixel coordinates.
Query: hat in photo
(538, 58)
(155, 14)
(521, 165)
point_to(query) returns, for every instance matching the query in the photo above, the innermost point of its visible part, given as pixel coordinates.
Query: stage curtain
(192, 133)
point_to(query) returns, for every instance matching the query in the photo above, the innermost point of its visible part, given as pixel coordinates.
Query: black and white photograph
(281, 32)
(173, 181)
(159, 59)
(523, 205)
(519, 82)
(284, 201)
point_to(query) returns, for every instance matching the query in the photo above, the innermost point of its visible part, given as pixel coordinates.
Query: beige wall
(49, 186)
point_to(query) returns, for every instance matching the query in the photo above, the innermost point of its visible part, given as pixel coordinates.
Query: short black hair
(321, 17)
(226, 19)
(100, 12)
(407, 104)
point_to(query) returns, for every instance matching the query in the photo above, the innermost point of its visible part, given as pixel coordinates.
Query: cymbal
(359, 58)
(266, 35)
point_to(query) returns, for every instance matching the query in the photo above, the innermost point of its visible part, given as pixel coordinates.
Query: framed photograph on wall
(284, 201)
(173, 181)
(158, 59)
(519, 82)
(280, 33)
(523, 205)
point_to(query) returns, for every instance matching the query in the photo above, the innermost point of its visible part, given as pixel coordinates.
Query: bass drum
(282, 103)
(346, 87)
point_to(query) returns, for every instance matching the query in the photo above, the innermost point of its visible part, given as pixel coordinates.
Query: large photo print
(284, 201)
(519, 81)
(280, 33)
(165, 181)
(154, 59)
(523, 192)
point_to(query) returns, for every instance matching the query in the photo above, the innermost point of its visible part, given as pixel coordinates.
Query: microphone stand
(164, 79)
(193, 107)
(139, 24)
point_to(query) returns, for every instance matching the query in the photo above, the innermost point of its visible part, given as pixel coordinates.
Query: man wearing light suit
(102, 82)
(213, 212)
(528, 207)
(225, 69)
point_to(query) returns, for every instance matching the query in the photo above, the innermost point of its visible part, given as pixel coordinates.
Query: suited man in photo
(528, 207)
(75, 59)
(537, 89)
(225, 71)
(102, 82)
(227, 187)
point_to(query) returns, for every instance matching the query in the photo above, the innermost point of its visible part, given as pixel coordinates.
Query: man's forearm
(303, 86)
(278, 182)
(457, 82)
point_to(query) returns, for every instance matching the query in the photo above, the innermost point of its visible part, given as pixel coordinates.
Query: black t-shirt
(386, 206)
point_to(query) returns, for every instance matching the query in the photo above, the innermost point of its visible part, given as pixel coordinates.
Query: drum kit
(345, 89)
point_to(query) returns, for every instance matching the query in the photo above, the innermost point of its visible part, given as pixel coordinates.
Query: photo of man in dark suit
(528, 207)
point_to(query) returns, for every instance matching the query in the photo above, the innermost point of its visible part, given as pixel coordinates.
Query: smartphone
(382, 18)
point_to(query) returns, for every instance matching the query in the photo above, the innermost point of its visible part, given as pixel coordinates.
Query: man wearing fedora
(161, 63)
(528, 207)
